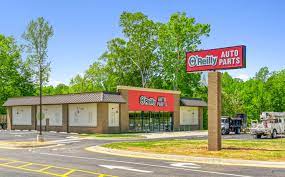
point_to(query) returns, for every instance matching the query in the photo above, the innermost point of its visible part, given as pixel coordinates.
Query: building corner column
(124, 112)
(65, 118)
(176, 114)
(9, 118)
(201, 118)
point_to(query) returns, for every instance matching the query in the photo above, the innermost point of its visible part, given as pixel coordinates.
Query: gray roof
(196, 102)
(97, 97)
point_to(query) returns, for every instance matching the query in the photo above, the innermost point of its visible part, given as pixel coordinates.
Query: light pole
(40, 137)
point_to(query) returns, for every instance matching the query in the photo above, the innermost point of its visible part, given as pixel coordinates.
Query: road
(71, 160)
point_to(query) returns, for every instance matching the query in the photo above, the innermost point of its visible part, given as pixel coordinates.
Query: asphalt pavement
(71, 159)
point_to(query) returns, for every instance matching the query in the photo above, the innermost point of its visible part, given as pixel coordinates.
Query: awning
(194, 102)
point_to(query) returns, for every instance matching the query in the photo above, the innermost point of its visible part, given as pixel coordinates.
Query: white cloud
(243, 76)
(54, 82)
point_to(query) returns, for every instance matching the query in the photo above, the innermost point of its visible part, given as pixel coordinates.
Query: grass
(267, 149)
(118, 135)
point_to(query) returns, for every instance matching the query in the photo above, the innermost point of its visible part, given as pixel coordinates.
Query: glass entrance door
(150, 121)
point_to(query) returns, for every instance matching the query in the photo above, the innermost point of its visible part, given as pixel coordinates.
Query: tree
(263, 74)
(15, 78)
(97, 77)
(118, 68)
(178, 35)
(37, 36)
(141, 43)
(78, 84)
(61, 89)
(232, 101)
(275, 89)
(154, 53)
(133, 58)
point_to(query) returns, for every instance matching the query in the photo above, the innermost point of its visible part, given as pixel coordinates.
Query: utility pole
(40, 137)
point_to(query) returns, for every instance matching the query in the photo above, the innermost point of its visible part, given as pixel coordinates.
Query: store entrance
(150, 121)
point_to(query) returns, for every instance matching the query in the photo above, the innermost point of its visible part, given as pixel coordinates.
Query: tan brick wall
(214, 111)
(102, 117)
(124, 112)
(65, 123)
(9, 118)
(200, 118)
(176, 113)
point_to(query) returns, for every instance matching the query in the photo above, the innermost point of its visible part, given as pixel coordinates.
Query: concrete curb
(181, 158)
(31, 147)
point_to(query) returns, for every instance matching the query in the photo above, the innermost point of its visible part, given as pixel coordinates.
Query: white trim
(121, 87)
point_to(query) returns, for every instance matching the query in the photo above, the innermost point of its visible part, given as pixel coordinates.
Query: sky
(83, 28)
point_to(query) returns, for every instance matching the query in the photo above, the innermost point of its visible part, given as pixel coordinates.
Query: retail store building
(130, 109)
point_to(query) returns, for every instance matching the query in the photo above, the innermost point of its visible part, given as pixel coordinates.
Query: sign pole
(214, 111)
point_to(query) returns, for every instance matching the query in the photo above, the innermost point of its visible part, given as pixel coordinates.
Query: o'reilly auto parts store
(130, 109)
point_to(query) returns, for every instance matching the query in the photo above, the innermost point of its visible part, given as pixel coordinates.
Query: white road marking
(63, 132)
(144, 164)
(185, 165)
(125, 168)
(67, 142)
(72, 137)
(21, 133)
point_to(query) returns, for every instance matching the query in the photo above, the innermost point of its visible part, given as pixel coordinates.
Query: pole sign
(216, 59)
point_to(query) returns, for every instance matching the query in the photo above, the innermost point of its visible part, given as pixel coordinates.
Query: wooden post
(214, 111)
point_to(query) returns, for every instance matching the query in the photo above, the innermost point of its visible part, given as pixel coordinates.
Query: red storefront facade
(154, 110)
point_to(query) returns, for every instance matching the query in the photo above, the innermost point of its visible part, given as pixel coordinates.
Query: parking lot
(71, 159)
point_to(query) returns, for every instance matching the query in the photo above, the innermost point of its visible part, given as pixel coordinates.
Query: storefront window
(150, 121)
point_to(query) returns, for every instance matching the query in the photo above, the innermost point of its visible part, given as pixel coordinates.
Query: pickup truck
(272, 124)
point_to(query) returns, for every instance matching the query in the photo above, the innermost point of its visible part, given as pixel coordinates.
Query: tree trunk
(143, 79)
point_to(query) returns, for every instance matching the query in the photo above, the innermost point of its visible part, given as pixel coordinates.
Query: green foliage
(275, 89)
(15, 78)
(151, 54)
(37, 36)
(178, 35)
(262, 93)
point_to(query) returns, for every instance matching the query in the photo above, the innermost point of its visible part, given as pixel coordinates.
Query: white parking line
(67, 141)
(125, 168)
(21, 133)
(144, 164)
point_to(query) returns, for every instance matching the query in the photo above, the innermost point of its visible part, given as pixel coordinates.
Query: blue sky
(82, 28)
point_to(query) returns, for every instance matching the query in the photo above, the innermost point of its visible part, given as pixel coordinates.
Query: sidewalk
(181, 158)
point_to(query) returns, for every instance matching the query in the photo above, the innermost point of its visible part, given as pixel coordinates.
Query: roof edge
(122, 87)
(68, 94)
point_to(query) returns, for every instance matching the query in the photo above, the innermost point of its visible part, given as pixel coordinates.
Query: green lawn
(267, 149)
(126, 135)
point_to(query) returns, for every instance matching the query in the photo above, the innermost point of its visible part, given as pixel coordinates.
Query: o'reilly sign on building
(216, 59)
